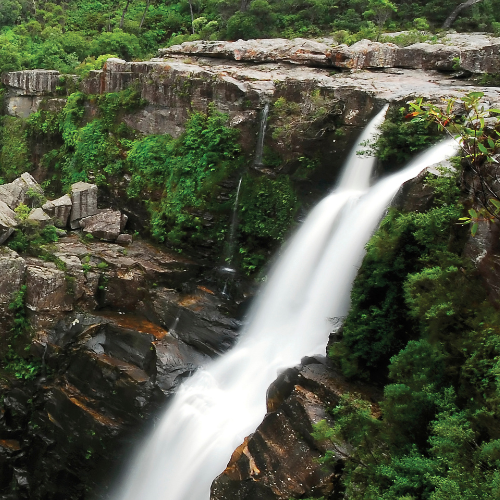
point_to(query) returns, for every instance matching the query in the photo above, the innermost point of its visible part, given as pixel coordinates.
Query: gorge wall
(110, 356)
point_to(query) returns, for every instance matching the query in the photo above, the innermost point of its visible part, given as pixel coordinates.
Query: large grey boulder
(8, 221)
(105, 225)
(84, 202)
(59, 210)
(39, 216)
(22, 190)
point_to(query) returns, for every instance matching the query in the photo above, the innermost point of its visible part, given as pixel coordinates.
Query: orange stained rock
(137, 323)
(80, 401)
(205, 289)
(10, 444)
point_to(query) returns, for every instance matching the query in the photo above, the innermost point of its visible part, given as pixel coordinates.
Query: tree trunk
(192, 16)
(451, 18)
(244, 5)
(144, 15)
(122, 20)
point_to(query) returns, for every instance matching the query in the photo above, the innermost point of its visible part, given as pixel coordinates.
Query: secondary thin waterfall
(259, 150)
(219, 406)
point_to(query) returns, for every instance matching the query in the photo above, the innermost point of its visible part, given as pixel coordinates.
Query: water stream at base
(220, 405)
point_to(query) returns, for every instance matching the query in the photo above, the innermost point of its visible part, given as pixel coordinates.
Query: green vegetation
(21, 367)
(422, 325)
(77, 36)
(400, 139)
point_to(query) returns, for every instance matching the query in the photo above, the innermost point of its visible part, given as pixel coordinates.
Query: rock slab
(105, 225)
(84, 202)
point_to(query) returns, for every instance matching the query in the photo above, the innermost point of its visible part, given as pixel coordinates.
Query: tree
(380, 11)
(451, 18)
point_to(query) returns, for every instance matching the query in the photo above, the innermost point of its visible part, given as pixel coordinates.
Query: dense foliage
(71, 36)
(421, 324)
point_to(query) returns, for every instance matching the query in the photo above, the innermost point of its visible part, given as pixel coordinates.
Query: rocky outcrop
(22, 190)
(474, 52)
(40, 217)
(8, 221)
(84, 202)
(105, 225)
(32, 82)
(280, 459)
(59, 210)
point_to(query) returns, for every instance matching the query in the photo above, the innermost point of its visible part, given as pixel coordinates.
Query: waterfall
(220, 405)
(262, 134)
(232, 230)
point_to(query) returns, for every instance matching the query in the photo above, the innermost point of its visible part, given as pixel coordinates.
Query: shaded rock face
(105, 373)
(279, 460)
(32, 82)
(484, 252)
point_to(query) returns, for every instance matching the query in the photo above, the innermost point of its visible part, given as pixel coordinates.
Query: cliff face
(113, 342)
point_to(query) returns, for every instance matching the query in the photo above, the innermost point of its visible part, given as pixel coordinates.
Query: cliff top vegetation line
(72, 36)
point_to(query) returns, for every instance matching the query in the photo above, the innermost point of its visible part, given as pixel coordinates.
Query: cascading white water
(259, 149)
(220, 405)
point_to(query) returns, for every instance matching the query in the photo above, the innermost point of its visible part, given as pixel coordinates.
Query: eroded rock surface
(279, 460)
(477, 53)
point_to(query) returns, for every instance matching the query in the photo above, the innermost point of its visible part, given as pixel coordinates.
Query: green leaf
(473, 229)
(473, 213)
(482, 148)
(495, 202)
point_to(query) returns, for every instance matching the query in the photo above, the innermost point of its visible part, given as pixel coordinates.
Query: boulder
(8, 221)
(105, 225)
(364, 54)
(47, 290)
(84, 202)
(125, 239)
(426, 56)
(21, 190)
(38, 215)
(59, 210)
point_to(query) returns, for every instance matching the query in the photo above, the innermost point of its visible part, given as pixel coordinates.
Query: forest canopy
(70, 36)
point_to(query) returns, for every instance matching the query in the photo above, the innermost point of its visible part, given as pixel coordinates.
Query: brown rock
(125, 239)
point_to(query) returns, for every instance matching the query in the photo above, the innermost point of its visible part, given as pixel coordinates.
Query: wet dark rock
(195, 319)
(279, 460)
